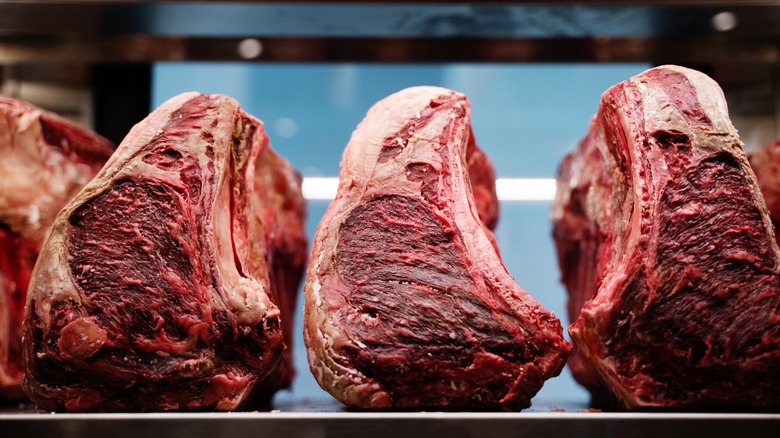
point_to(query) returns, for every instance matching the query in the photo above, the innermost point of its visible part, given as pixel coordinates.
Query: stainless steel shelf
(325, 421)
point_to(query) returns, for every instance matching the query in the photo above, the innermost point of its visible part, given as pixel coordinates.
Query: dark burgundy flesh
(421, 325)
(138, 277)
(74, 142)
(17, 259)
(139, 285)
(137, 256)
(666, 233)
(715, 271)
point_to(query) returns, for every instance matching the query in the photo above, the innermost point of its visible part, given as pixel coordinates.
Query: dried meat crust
(667, 251)
(154, 290)
(407, 303)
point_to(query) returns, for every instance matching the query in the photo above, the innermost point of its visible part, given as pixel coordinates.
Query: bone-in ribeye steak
(161, 285)
(667, 252)
(44, 161)
(407, 303)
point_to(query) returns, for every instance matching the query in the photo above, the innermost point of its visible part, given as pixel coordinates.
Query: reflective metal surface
(330, 420)
(723, 32)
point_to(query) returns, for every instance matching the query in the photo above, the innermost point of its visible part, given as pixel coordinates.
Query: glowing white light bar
(508, 189)
(525, 189)
(320, 188)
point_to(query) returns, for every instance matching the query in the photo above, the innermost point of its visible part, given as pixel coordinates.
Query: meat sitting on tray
(667, 252)
(168, 282)
(407, 303)
(44, 161)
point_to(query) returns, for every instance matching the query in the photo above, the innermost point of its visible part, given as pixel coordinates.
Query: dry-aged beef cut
(667, 252)
(766, 164)
(168, 281)
(44, 161)
(407, 303)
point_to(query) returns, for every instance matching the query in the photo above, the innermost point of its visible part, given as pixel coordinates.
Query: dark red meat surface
(158, 287)
(667, 251)
(408, 304)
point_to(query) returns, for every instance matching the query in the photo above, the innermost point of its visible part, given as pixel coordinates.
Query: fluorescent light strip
(320, 188)
(508, 189)
(525, 189)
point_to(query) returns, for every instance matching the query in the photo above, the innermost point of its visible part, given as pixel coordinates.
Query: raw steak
(667, 252)
(160, 286)
(407, 303)
(44, 160)
(766, 164)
